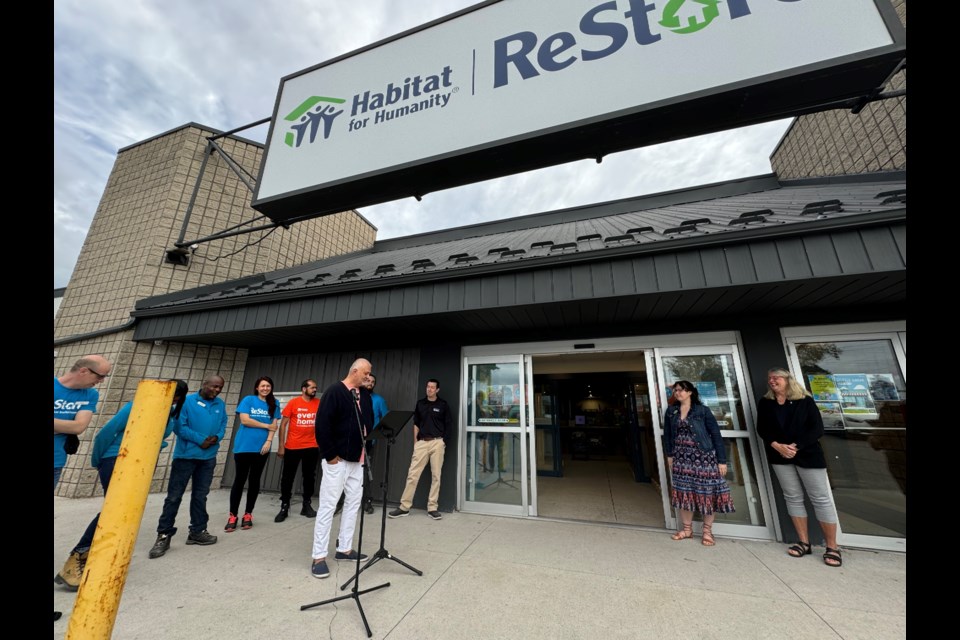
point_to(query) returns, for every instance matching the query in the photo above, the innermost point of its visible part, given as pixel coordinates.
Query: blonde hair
(795, 390)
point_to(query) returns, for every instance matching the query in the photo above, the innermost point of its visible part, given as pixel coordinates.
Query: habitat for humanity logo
(603, 30)
(396, 100)
(307, 117)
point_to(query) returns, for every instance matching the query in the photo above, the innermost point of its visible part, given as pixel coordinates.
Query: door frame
(525, 352)
(467, 430)
(765, 531)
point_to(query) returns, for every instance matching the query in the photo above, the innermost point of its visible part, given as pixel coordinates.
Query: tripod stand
(355, 593)
(498, 455)
(388, 430)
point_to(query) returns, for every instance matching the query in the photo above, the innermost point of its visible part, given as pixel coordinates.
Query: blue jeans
(105, 470)
(56, 476)
(182, 471)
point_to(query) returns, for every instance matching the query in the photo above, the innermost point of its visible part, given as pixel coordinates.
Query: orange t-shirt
(303, 415)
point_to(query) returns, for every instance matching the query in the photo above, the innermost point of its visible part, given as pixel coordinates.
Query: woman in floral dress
(697, 460)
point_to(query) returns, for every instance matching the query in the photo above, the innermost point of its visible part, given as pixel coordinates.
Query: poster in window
(824, 388)
(854, 393)
(882, 387)
(831, 414)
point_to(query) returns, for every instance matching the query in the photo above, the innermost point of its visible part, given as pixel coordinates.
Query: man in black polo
(432, 423)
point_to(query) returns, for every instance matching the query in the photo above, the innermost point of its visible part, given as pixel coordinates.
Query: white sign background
(776, 37)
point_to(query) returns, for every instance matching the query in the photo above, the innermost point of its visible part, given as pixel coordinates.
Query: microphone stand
(382, 552)
(355, 593)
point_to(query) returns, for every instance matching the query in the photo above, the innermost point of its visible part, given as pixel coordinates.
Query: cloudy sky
(127, 70)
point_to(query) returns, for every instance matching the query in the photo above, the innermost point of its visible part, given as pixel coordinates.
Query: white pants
(343, 477)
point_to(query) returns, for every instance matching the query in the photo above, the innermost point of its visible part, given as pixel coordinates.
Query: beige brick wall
(839, 142)
(139, 217)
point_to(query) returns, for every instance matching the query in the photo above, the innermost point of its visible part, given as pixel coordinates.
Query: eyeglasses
(99, 375)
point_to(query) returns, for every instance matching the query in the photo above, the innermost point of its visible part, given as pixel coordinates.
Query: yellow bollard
(106, 572)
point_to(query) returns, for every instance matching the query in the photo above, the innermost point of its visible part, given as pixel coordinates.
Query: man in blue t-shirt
(202, 424)
(74, 403)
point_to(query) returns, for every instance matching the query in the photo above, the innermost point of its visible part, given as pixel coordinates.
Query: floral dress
(697, 483)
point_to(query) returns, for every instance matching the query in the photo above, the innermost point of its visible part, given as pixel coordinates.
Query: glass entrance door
(717, 375)
(495, 465)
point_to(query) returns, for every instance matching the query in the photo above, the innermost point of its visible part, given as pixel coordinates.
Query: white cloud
(126, 70)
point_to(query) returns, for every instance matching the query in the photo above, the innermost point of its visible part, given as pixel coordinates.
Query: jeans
(56, 476)
(248, 464)
(105, 470)
(793, 481)
(343, 477)
(182, 471)
(305, 458)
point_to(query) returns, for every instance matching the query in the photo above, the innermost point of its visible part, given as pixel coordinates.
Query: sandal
(707, 535)
(832, 558)
(799, 550)
(683, 534)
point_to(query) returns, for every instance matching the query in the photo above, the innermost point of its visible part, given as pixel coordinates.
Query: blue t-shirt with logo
(251, 439)
(66, 404)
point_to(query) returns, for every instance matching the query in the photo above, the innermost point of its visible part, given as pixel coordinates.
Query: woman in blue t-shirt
(259, 419)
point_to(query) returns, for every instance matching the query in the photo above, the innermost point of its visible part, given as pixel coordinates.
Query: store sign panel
(470, 97)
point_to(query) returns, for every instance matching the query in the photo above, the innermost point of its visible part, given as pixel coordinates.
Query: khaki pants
(423, 452)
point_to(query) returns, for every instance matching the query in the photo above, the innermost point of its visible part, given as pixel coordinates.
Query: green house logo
(307, 118)
(689, 16)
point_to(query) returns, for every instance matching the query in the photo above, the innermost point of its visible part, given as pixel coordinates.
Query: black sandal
(832, 558)
(799, 550)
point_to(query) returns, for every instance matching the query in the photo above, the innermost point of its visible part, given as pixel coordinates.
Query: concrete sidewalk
(486, 577)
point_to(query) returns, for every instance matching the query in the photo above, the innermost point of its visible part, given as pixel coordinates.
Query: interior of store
(596, 456)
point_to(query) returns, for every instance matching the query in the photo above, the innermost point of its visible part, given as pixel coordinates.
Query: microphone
(356, 394)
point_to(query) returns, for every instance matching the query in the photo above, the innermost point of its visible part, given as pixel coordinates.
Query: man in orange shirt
(298, 445)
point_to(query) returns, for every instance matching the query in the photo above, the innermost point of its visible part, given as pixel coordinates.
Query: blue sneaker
(319, 569)
(349, 556)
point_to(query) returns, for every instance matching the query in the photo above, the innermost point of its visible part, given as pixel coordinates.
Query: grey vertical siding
(396, 370)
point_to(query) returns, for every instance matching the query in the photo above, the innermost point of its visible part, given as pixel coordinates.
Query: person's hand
(265, 449)
(334, 461)
(788, 451)
(723, 469)
(669, 463)
(280, 451)
(208, 442)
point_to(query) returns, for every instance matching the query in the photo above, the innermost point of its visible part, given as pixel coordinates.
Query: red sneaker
(247, 521)
(231, 523)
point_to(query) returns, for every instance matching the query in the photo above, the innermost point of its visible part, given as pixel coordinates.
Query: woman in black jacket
(788, 421)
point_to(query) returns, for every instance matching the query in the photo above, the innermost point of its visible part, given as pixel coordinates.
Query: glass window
(716, 382)
(862, 396)
(495, 400)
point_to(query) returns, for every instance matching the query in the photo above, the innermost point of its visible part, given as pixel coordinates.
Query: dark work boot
(308, 510)
(284, 512)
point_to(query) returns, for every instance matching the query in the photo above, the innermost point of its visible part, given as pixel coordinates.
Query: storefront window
(862, 395)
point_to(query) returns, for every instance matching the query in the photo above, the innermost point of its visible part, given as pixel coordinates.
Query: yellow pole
(106, 572)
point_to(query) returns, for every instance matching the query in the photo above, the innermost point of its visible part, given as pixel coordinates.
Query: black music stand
(355, 593)
(388, 427)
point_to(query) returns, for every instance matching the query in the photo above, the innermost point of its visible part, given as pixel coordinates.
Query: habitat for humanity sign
(513, 85)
